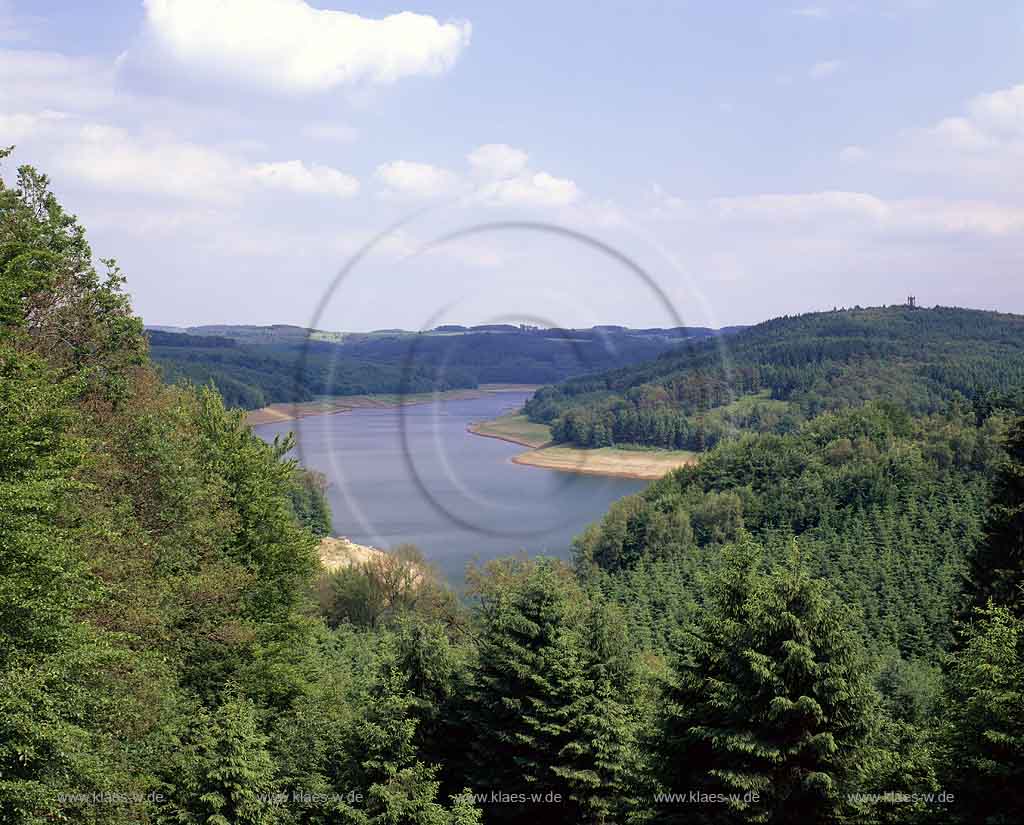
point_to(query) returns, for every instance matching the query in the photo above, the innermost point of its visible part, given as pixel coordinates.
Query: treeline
(812, 363)
(161, 656)
(820, 626)
(252, 375)
(281, 364)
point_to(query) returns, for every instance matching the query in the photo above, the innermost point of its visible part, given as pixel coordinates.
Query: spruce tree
(224, 775)
(602, 763)
(997, 566)
(771, 705)
(984, 708)
(525, 611)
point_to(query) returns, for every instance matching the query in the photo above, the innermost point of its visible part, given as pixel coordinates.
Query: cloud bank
(292, 48)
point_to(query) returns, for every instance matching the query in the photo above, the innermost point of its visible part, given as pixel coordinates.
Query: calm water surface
(414, 474)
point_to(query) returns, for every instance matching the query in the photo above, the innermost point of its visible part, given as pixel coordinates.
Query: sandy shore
(275, 413)
(604, 461)
(607, 461)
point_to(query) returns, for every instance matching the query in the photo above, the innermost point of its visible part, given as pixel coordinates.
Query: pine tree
(997, 566)
(225, 775)
(601, 763)
(772, 703)
(525, 611)
(984, 734)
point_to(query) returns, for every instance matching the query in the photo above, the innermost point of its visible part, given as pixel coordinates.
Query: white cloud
(959, 217)
(961, 134)
(826, 68)
(816, 12)
(495, 161)
(337, 132)
(801, 206)
(291, 47)
(502, 174)
(409, 179)
(18, 126)
(295, 176)
(34, 80)
(835, 215)
(978, 151)
(853, 154)
(1001, 112)
(537, 189)
(112, 159)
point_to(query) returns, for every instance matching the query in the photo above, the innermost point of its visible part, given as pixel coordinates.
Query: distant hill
(253, 366)
(771, 376)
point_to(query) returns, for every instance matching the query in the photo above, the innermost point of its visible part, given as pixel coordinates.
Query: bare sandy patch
(339, 552)
(608, 461)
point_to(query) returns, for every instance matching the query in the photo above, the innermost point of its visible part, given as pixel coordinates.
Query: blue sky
(756, 159)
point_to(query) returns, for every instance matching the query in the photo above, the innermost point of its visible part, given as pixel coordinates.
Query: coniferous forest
(822, 621)
(255, 366)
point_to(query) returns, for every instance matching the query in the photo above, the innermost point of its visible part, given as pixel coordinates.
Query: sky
(366, 165)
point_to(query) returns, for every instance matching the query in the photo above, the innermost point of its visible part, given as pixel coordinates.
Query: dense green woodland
(804, 627)
(770, 377)
(255, 366)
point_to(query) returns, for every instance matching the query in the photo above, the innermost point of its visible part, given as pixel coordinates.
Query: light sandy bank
(339, 552)
(607, 461)
(275, 413)
(604, 461)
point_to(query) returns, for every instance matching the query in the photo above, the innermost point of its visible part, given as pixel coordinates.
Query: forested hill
(253, 366)
(769, 377)
(825, 626)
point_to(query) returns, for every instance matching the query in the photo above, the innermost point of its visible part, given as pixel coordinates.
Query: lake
(414, 474)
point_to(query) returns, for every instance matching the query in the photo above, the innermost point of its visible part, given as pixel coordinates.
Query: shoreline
(474, 429)
(618, 463)
(644, 465)
(295, 410)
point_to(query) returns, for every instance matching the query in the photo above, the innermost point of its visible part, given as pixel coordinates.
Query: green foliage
(602, 763)
(984, 712)
(886, 508)
(552, 705)
(162, 660)
(308, 494)
(41, 583)
(383, 589)
(223, 774)
(997, 566)
(252, 367)
(158, 651)
(769, 377)
(772, 708)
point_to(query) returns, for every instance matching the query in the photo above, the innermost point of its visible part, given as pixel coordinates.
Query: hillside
(256, 366)
(831, 616)
(770, 377)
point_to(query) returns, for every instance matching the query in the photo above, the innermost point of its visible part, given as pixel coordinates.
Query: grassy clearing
(744, 406)
(515, 428)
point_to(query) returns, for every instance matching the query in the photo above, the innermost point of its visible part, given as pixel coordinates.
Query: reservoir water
(414, 474)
